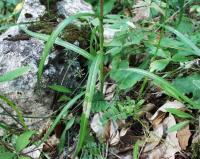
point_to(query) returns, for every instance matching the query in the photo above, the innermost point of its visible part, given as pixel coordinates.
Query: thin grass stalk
(101, 32)
(10, 115)
(181, 5)
(16, 109)
(60, 115)
(145, 82)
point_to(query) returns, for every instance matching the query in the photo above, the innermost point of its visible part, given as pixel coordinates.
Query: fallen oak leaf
(183, 136)
(158, 117)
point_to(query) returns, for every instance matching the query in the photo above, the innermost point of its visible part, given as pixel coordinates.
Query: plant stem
(101, 39)
(145, 82)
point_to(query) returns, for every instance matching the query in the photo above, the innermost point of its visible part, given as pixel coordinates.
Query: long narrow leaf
(178, 126)
(165, 85)
(53, 37)
(179, 113)
(90, 89)
(60, 42)
(184, 39)
(59, 117)
(14, 74)
(16, 109)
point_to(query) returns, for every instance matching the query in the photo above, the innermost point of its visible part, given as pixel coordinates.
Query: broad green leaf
(159, 52)
(165, 85)
(186, 40)
(108, 6)
(99, 104)
(2, 149)
(180, 58)
(125, 80)
(114, 51)
(186, 26)
(64, 98)
(14, 74)
(178, 126)
(167, 42)
(157, 8)
(59, 88)
(197, 83)
(159, 65)
(179, 113)
(1, 5)
(23, 140)
(7, 155)
(136, 36)
(187, 85)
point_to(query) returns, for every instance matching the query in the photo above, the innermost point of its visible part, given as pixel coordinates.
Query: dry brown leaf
(183, 136)
(97, 125)
(51, 144)
(106, 132)
(33, 151)
(109, 91)
(123, 131)
(171, 142)
(175, 104)
(114, 133)
(156, 153)
(154, 139)
(158, 117)
(141, 10)
(163, 148)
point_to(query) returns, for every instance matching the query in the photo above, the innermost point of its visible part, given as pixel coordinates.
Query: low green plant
(19, 143)
(127, 42)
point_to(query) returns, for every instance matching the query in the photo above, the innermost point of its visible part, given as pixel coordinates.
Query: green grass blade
(60, 88)
(69, 124)
(16, 109)
(53, 37)
(179, 113)
(136, 151)
(184, 39)
(14, 74)
(165, 85)
(60, 42)
(90, 89)
(181, 5)
(60, 115)
(178, 126)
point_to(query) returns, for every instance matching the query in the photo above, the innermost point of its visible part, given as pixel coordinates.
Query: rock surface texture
(71, 7)
(60, 68)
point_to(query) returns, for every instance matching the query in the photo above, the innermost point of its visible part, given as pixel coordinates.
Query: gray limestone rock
(31, 11)
(60, 68)
(71, 7)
